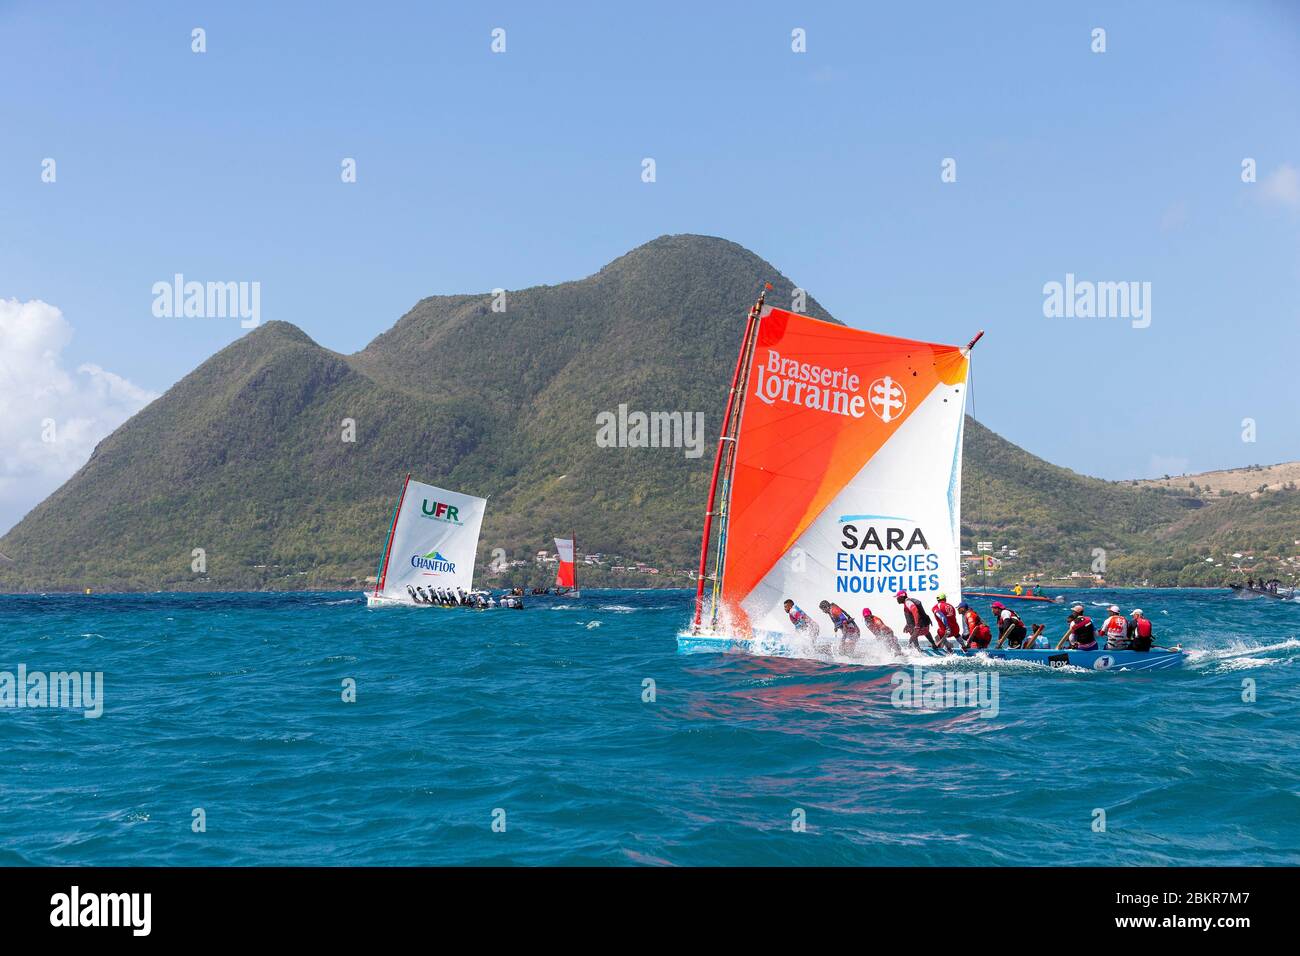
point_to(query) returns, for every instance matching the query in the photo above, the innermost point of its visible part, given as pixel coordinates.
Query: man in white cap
(1139, 631)
(1115, 629)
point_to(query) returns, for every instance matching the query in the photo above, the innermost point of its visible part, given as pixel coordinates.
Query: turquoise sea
(541, 721)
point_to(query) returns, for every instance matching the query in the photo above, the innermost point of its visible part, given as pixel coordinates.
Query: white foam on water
(1243, 654)
(616, 608)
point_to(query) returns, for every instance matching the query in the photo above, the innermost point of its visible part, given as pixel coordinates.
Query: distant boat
(429, 558)
(1282, 594)
(566, 575)
(837, 479)
(1012, 596)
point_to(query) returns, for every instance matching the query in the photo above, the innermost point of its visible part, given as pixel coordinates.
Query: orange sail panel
(846, 485)
(564, 575)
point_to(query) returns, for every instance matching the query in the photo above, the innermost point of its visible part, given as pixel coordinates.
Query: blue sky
(478, 170)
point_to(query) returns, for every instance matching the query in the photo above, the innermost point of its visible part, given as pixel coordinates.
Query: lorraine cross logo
(887, 398)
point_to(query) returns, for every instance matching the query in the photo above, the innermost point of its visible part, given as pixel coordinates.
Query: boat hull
(1282, 595)
(772, 645)
(1087, 660)
(707, 642)
(381, 600)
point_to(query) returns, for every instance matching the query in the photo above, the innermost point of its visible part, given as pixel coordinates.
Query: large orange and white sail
(846, 481)
(565, 575)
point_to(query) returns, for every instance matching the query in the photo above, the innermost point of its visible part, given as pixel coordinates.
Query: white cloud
(1282, 186)
(35, 389)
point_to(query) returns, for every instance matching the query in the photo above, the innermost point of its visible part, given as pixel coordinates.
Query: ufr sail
(565, 574)
(843, 479)
(432, 544)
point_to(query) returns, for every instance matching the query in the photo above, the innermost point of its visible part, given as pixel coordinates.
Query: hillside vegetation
(245, 457)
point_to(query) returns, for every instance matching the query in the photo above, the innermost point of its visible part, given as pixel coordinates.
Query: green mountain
(246, 459)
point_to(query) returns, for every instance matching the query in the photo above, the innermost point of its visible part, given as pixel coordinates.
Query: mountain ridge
(246, 458)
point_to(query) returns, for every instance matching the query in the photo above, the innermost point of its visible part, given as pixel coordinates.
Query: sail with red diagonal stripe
(845, 478)
(565, 576)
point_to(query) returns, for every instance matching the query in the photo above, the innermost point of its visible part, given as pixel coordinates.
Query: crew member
(916, 623)
(880, 629)
(1011, 630)
(1081, 634)
(1139, 631)
(945, 618)
(977, 633)
(1115, 630)
(846, 629)
(801, 621)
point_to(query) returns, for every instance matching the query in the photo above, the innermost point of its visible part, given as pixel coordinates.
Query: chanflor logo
(433, 562)
(439, 511)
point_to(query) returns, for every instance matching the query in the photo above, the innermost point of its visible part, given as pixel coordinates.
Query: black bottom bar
(338, 904)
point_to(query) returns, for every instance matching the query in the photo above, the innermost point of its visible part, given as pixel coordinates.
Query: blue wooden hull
(773, 645)
(1088, 660)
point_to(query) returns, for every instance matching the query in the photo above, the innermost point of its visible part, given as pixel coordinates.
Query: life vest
(946, 615)
(1115, 626)
(1083, 632)
(1139, 634)
(918, 618)
(1011, 627)
(840, 618)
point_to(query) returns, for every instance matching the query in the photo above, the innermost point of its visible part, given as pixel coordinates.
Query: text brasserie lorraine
(812, 386)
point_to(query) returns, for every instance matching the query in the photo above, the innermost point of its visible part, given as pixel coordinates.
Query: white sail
(434, 542)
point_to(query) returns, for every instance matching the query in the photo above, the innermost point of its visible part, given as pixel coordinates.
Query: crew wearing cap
(978, 635)
(916, 623)
(1139, 631)
(1011, 630)
(1081, 634)
(1115, 630)
(880, 629)
(945, 618)
(846, 629)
